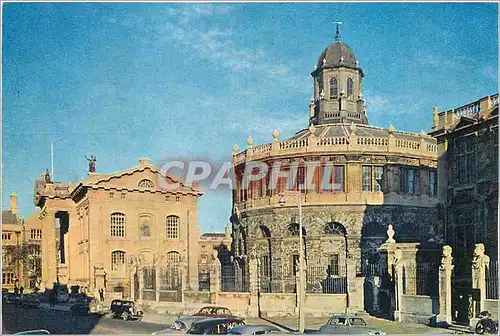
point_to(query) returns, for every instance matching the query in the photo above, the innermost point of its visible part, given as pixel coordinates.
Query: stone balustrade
(424, 147)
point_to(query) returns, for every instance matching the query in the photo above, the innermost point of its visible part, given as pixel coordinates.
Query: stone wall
(492, 307)
(418, 309)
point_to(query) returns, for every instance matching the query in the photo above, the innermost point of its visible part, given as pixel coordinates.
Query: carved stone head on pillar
(446, 258)
(479, 259)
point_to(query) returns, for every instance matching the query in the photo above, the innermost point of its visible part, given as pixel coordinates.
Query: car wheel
(125, 316)
(479, 328)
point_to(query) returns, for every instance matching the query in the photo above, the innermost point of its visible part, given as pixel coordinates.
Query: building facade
(124, 232)
(21, 249)
(467, 139)
(374, 177)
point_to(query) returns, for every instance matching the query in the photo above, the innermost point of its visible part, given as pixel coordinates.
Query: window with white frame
(36, 234)
(350, 88)
(172, 227)
(117, 225)
(117, 260)
(173, 258)
(367, 178)
(333, 88)
(145, 183)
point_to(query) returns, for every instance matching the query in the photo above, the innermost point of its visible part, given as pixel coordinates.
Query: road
(16, 319)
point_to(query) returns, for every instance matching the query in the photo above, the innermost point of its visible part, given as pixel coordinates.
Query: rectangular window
(411, 181)
(465, 159)
(379, 175)
(333, 267)
(338, 178)
(432, 183)
(6, 236)
(111, 195)
(123, 195)
(407, 180)
(367, 178)
(260, 187)
(301, 183)
(36, 234)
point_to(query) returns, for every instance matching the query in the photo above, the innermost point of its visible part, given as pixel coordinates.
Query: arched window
(335, 229)
(333, 88)
(173, 258)
(350, 85)
(117, 224)
(172, 227)
(293, 230)
(145, 226)
(117, 260)
(145, 183)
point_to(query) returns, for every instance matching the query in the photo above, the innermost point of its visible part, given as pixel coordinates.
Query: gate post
(480, 263)
(253, 309)
(444, 317)
(215, 277)
(398, 284)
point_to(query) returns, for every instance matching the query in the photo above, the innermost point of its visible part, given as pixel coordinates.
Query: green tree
(26, 260)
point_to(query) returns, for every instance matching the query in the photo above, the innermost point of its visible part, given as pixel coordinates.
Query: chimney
(13, 203)
(227, 232)
(435, 118)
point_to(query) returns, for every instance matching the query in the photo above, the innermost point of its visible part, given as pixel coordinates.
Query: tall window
(265, 265)
(36, 234)
(117, 224)
(172, 227)
(432, 183)
(173, 259)
(145, 183)
(333, 178)
(117, 260)
(465, 159)
(379, 175)
(300, 183)
(295, 263)
(333, 88)
(333, 266)
(145, 223)
(407, 180)
(367, 178)
(350, 85)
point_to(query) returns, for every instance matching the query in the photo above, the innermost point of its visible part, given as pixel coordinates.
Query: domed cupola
(337, 86)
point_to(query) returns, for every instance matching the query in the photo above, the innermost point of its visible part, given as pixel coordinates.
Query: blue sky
(122, 81)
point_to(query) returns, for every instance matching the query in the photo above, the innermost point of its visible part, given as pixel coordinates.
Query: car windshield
(197, 329)
(357, 322)
(223, 311)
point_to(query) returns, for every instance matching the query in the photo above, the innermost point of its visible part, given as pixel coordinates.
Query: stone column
(132, 283)
(444, 317)
(480, 263)
(157, 282)
(253, 309)
(398, 284)
(49, 251)
(215, 277)
(141, 281)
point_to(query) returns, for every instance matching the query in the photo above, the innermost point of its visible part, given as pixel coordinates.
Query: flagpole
(52, 159)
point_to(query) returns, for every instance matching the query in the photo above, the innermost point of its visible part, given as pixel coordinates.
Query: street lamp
(301, 289)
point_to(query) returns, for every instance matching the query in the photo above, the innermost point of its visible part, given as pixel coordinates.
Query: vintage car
(125, 310)
(215, 326)
(34, 332)
(80, 308)
(347, 324)
(214, 311)
(181, 325)
(10, 298)
(28, 301)
(259, 329)
(97, 307)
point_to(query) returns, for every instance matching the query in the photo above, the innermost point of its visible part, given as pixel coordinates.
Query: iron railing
(492, 280)
(321, 279)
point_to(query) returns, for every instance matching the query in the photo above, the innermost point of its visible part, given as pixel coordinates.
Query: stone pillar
(157, 281)
(215, 277)
(351, 284)
(398, 284)
(253, 266)
(132, 283)
(444, 317)
(49, 251)
(480, 263)
(141, 281)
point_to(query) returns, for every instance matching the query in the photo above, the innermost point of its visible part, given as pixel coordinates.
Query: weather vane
(337, 32)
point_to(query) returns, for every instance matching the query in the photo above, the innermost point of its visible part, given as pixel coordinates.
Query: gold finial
(235, 149)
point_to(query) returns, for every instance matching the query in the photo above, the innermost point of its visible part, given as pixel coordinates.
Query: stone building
(377, 176)
(467, 140)
(20, 238)
(124, 232)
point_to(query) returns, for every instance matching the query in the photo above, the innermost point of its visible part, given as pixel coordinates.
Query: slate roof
(333, 54)
(9, 218)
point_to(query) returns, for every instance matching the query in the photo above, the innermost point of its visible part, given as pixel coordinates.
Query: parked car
(215, 326)
(214, 311)
(181, 325)
(80, 308)
(28, 301)
(10, 298)
(97, 307)
(34, 332)
(255, 330)
(125, 310)
(348, 324)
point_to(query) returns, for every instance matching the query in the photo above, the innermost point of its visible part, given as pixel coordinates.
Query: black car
(215, 326)
(10, 298)
(125, 310)
(80, 308)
